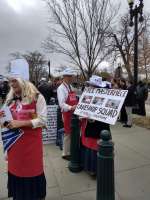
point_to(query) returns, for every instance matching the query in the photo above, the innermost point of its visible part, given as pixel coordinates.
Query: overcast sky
(23, 26)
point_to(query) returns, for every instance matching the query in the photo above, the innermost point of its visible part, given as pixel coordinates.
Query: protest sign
(101, 104)
(49, 134)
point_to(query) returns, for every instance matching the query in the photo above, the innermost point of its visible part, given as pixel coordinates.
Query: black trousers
(123, 114)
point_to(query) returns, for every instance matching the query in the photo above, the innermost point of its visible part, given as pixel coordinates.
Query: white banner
(101, 104)
(49, 134)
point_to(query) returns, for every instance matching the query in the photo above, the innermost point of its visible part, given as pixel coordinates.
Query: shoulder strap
(37, 96)
(68, 87)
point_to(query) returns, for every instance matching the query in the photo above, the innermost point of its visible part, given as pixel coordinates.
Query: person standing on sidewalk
(26, 179)
(142, 95)
(67, 100)
(123, 114)
(129, 103)
(91, 133)
(45, 89)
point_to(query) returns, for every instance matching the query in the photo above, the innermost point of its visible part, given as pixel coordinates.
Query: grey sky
(24, 26)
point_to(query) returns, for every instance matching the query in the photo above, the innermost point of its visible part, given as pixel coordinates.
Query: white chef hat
(68, 72)
(19, 68)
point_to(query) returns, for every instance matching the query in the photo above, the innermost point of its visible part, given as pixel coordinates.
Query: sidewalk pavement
(132, 170)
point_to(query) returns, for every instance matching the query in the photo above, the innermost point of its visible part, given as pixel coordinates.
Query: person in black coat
(129, 103)
(4, 90)
(46, 90)
(123, 114)
(142, 95)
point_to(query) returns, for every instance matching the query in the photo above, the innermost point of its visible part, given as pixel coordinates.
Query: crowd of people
(28, 107)
(135, 100)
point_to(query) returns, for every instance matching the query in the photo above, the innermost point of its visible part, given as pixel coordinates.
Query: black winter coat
(130, 98)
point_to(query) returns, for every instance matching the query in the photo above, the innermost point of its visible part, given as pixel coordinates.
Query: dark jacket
(94, 128)
(46, 90)
(142, 92)
(130, 98)
(4, 89)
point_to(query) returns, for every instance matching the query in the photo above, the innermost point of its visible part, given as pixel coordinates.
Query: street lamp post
(49, 70)
(135, 13)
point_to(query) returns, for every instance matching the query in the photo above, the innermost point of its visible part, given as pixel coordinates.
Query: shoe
(67, 157)
(127, 126)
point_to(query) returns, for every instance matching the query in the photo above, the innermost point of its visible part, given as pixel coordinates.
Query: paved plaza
(132, 170)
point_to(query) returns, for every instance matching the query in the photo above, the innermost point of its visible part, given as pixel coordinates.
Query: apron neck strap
(67, 86)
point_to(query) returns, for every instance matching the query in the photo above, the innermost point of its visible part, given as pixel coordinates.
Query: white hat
(96, 81)
(13, 75)
(5, 79)
(108, 84)
(43, 79)
(19, 68)
(68, 72)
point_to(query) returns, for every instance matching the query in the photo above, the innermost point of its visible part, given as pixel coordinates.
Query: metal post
(75, 162)
(105, 168)
(49, 70)
(134, 13)
(136, 46)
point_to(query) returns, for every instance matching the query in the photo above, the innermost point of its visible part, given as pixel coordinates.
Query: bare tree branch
(79, 30)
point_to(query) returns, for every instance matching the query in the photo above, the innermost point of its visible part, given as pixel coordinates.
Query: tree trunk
(130, 75)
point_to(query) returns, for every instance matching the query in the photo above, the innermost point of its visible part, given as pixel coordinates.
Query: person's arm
(62, 95)
(39, 121)
(1, 113)
(41, 110)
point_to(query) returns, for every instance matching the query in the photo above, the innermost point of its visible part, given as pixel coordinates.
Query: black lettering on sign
(107, 112)
(92, 109)
(82, 107)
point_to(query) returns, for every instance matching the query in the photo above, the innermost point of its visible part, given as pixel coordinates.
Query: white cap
(43, 79)
(96, 81)
(108, 84)
(68, 72)
(5, 79)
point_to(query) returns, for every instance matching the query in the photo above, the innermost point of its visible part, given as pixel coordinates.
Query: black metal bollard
(105, 168)
(75, 163)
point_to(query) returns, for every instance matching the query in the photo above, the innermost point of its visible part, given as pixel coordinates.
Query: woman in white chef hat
(26, 178)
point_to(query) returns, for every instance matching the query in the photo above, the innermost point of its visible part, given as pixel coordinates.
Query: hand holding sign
(5, 115)
(2, 113)
(73, 107)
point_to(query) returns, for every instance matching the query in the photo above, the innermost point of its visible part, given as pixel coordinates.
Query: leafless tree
(80, 29)
(124, 41)
(37, 63)
(144, 56)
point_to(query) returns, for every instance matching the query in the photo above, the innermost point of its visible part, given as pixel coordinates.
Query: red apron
(88, 142)
(25, 158)
(67, 116)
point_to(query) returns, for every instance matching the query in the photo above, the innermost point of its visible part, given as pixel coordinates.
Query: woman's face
(15, 85)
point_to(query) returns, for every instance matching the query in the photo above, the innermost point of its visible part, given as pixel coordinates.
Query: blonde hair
(29, 91)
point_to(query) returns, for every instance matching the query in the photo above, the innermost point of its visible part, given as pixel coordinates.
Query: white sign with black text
(101, 104)
(49, 134)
